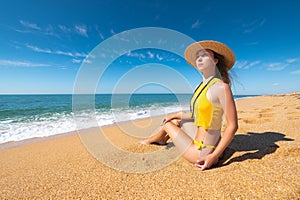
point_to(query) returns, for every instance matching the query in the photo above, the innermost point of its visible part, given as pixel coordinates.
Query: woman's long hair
(222, 68)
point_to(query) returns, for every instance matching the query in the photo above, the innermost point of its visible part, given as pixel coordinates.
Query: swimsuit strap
(201, 145)
(192, 107)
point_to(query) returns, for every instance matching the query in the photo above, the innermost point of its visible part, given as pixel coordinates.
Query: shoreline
(11, 144)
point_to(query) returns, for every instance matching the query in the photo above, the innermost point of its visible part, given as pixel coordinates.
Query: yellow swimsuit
(205, 113)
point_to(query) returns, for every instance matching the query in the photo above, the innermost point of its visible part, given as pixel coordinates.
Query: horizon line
(85, 93)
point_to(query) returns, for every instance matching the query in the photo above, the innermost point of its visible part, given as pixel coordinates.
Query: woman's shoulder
(219, 85)
(219, 88)
(218, 92)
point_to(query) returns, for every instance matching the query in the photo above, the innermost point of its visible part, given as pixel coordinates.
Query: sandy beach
(262, 162)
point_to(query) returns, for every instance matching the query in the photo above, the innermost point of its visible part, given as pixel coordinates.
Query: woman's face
(205, 60)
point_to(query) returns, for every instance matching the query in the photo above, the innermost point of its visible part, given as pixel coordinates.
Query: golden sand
(262, 162)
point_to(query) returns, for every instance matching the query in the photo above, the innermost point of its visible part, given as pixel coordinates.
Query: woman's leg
(189, 127)
(161, 137)
(183, 142)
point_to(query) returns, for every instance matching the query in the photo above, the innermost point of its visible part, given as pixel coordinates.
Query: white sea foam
(41, 126)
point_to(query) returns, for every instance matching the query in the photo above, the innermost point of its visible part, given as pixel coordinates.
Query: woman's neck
(207, 77)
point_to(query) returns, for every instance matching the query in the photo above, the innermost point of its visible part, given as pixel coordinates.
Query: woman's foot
(156, 139)
(149, 142)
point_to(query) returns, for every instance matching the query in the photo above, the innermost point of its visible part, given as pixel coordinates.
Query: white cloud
(256, 62)
(244, 64)
(196, 24)
(54, 30)
(34, 28)
(120, 37)
(91, 55)
(252, 43)
(49, 30)
(76, 60)
(278, 66)
(252, 26)
(241, 64)
(58, 52)
(151, 55)
(99, 32)
(136, 55)
(29, 25)
(37, 49)
(295, 72)
(81, 30)
(65, 29)
(292, 60)
(15, 63)
(103, 55)
(112, 32)
(87, 61)
(77, 54)
(101, 35)
(64, 53)
(159, 57)
(274, 66)
(275, 84)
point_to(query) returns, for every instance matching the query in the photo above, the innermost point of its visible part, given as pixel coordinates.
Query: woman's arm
(179, 115)
(227, 102)
(228, 105)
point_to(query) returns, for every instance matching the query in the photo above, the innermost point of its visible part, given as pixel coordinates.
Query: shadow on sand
(258, 145)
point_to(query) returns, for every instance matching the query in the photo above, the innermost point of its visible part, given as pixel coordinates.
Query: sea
(34, 116)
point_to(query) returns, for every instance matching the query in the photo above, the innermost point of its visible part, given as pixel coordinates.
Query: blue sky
(45, 43)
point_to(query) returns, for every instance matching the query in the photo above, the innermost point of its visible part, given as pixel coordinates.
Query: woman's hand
(164, 122)
(206, 162)
(171, 117)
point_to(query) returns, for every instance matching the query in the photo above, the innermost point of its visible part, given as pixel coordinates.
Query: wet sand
(262, 162)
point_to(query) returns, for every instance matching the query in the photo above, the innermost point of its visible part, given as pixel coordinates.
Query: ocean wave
(47, 124)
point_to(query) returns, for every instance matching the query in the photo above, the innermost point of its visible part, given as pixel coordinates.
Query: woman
(197, 134)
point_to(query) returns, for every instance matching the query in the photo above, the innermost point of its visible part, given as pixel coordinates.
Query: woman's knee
(191, 154)
(169, 126)
(176, 122)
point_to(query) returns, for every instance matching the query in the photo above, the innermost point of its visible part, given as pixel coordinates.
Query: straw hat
(218, 47)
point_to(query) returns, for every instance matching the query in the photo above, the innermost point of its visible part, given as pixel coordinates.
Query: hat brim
(218, 47)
